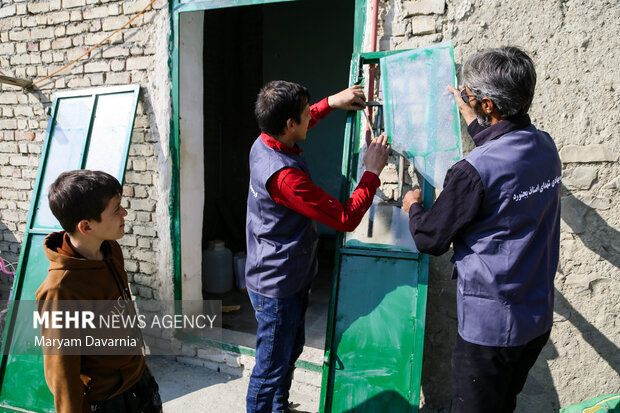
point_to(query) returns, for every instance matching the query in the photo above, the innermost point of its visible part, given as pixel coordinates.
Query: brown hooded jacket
(75, 380)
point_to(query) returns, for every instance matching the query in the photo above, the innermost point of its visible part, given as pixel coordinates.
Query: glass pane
(421, 117)
(68, 136)
(109, 136)
(384, 226)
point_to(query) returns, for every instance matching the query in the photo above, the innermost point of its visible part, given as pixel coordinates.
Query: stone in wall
(580, 177)
(596, 202)
(417, 7)
(414, 42)
(421, 25)
(614, 184)
(587, 153)
(573, 215)
(410, 24)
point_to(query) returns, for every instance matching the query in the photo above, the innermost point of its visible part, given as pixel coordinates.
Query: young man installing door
(283, 205)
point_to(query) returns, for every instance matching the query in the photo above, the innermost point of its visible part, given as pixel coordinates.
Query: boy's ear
(290, 124)
(83, 227)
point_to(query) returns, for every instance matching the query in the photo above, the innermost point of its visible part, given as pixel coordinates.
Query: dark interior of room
(309, 42)
(232, 77)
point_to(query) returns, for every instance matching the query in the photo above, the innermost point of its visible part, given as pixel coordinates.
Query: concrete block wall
(36, 39)
(571, 43)
(410, 24)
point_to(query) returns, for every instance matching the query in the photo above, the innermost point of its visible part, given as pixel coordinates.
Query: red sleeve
(294, 189)
(319, 111)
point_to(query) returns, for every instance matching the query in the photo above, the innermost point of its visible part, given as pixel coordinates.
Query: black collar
(501, 128)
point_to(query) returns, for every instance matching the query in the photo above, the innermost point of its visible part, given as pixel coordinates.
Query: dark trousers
(280, 340)
(488, 379)
(142, 397)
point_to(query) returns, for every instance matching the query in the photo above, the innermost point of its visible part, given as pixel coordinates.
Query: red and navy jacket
(283, 204)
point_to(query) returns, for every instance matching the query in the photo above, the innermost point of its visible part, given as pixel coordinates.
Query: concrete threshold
(215, 378)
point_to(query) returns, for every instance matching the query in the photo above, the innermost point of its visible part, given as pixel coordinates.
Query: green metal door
(378, 333)
(375, 333)
(88, 129)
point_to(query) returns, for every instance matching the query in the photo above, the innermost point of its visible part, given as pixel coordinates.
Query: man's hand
(412, 197)
(352, 98)
(377, 154)
(467, 112)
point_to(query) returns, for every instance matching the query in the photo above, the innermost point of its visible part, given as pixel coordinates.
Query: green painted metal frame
(30, 230)
(176, 8)
(349, 166)
(180, 7)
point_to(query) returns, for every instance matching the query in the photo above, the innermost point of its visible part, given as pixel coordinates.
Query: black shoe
(291, 408)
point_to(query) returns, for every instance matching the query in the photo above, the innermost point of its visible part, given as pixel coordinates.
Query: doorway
(226, 55)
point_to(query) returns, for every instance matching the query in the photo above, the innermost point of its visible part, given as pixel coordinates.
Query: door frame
(178, 7)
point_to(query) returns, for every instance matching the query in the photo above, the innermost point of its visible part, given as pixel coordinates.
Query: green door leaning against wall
(89, 129)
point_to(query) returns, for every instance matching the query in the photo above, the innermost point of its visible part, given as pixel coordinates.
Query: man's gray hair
(505, 75)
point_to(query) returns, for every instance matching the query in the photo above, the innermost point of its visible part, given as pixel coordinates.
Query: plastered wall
(574, 46)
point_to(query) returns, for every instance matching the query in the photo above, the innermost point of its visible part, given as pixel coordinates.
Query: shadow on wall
(41, 96)
(440, 333)
(601, 344)
(539, 393)
(586, 223)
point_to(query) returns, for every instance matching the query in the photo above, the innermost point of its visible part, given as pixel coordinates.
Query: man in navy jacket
(500, 208)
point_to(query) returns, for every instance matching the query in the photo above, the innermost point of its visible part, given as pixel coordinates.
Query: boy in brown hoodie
(86, 263)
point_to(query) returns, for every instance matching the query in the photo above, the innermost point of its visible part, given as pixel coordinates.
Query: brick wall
(36, 39)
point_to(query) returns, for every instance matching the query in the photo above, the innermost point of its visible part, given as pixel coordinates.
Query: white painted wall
(191, 160)
(158, 89)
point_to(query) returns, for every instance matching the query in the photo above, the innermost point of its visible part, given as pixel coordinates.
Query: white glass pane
(384, 226)
(421, 117)
(113, 118)
(68, 135)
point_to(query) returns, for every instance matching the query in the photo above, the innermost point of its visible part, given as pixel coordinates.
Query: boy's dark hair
(81, 194)
(277, 102)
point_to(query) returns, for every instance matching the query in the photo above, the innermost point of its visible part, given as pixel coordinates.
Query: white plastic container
(239, 266)
(217, 268)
